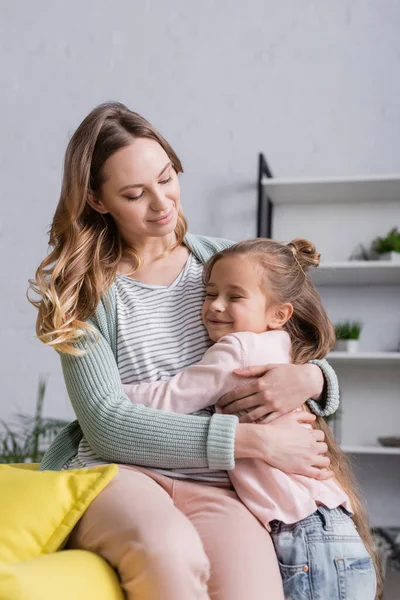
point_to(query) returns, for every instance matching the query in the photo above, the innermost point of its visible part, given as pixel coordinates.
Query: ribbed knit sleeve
(330, 401)
(119, 431)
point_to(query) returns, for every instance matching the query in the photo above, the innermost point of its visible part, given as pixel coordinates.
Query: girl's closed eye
(210, 295)
(166, 180)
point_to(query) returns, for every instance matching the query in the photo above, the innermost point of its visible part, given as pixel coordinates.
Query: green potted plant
(347, 336)
(388, 248)
(27, 438)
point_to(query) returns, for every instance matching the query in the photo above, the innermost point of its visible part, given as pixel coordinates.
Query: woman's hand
(279, 389)
(286, 444)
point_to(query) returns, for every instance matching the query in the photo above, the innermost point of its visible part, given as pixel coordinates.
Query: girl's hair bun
(305, 253)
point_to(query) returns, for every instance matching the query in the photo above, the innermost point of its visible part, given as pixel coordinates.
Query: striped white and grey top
(160, 332)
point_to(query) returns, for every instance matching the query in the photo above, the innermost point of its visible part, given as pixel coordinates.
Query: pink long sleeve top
(268, 493)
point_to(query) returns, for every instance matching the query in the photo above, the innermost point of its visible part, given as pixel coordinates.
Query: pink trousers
(170, 539)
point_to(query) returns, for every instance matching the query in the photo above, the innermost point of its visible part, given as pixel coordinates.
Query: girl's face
(140, 191)
(236, 302)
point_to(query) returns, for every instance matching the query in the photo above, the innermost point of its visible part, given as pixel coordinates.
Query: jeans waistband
(326, 516)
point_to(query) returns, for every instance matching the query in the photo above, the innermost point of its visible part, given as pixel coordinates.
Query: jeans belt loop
(326, 517)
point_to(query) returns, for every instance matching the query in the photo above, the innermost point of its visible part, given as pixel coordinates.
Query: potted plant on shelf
(388, 248)
(347, 336)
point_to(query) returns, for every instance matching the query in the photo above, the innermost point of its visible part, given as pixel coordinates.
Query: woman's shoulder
(204, 247)
(104, 317)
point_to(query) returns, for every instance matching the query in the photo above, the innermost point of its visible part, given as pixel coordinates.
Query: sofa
(38, 510)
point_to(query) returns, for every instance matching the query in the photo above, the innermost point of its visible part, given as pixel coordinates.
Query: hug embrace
(197, 365)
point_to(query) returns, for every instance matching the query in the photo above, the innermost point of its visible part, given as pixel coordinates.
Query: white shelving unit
(371, 450)
(337, 214)
(371, 272)
(319, 190)
(370, 358)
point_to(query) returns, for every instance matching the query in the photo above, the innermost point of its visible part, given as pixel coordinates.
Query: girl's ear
(95, 203)
(280, 314)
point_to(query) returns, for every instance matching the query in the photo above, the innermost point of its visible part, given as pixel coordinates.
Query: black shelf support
(265, 206)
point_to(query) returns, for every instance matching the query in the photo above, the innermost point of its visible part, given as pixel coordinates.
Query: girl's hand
(287, 445)
(278, 390)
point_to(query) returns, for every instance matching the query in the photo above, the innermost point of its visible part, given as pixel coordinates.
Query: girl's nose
(217, 304)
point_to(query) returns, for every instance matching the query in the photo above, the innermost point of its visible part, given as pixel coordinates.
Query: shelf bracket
(265, 206)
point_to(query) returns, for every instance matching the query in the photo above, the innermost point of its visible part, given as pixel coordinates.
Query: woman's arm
(282, 388)
(326, 400)
(285, 443)
(119, 431)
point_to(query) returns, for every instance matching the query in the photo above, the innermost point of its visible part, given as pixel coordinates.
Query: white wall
(315, 85)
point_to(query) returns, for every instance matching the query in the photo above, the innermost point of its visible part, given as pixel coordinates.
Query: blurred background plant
(348, 330)
(390, 243)
(26, 439)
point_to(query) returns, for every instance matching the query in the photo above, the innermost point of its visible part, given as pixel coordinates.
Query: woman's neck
(156, 269)
(150, 249)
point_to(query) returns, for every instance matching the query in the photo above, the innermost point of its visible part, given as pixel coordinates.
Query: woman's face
(140, 191)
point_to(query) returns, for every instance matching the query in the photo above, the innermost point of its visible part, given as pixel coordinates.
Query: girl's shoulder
(204, 247)
(269, 346)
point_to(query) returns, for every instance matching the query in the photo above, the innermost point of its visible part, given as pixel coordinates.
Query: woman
(121, 293)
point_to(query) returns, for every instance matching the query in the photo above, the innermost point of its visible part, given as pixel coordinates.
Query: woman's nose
(158, 201)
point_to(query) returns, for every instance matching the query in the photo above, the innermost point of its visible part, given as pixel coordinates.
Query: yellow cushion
(38, 509)
(66, 575)
(29, 466)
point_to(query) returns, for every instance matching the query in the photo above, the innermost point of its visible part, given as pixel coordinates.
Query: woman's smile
(163, 220)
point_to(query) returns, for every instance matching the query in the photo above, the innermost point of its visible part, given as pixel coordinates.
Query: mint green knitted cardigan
(122, 432)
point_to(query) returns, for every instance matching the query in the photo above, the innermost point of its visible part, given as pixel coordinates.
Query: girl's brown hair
(285, 279)
(86, 245)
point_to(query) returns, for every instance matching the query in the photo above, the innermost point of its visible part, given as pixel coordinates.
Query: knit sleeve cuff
(330, 401)
(221, 442)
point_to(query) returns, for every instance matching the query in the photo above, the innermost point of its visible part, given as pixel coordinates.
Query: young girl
(261, 307)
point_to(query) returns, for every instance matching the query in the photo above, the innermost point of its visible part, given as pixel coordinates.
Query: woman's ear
(279, 315)
(96, 204)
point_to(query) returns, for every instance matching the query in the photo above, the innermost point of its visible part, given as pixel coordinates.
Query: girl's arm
(122, 432)
(196, 387)
(202, 384)
(285, 443)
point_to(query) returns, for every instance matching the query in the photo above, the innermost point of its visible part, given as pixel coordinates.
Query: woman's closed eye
(164, 182)
(131, 198)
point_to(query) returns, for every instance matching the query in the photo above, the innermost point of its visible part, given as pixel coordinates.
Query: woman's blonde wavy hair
(86, 246)
(284, 271)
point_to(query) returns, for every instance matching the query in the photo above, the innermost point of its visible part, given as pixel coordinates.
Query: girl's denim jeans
(322, 557)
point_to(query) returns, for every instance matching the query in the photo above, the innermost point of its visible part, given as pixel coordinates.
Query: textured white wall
(315, 85)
